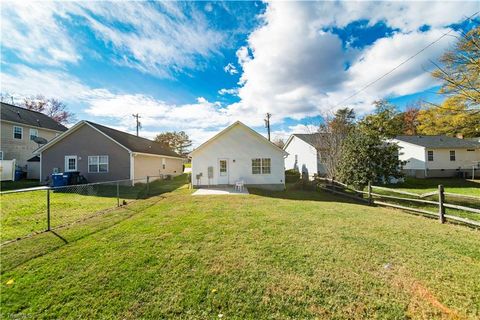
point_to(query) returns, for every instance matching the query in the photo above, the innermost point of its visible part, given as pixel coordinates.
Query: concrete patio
(230, 190)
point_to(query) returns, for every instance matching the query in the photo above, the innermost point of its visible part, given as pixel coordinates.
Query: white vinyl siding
(97, 164)
(17, 132)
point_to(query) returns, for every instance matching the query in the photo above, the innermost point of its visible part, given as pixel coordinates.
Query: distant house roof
(129, 141)
(314, 139)
(134, 143)
(439, 142)
(16, 114)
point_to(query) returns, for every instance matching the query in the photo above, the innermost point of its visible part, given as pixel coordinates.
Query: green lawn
(453, 185)
(21, 184)
(26, 212)
(293, 254)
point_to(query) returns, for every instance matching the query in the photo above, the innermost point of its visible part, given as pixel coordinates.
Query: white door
(70, 163)
(222, 171)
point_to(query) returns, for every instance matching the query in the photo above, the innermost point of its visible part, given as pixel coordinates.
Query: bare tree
(329, 138)
(279, 142)
(53, 108)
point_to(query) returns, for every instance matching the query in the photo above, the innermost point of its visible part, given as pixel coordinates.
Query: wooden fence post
(370, 200)
(441, 207)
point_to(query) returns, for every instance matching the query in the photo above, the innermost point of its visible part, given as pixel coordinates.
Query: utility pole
(139, 125)
(267, 124)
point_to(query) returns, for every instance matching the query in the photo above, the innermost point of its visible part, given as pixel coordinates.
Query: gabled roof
(235, 124)
(314, 139)
(12, 113)
(439, 142)
(129, 141)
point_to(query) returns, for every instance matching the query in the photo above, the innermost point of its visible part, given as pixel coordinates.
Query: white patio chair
(239, 185)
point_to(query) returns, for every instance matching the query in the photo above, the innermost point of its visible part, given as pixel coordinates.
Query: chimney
(459, 135)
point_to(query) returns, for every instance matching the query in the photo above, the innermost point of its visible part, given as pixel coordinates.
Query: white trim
(40, 178)
(66, 167)
(13, 132)
(132, 166)
(236, 123)
(29, 125)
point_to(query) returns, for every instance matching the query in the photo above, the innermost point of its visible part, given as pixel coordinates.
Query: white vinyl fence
(7, 170)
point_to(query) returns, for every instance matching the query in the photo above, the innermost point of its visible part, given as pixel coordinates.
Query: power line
(401, 64)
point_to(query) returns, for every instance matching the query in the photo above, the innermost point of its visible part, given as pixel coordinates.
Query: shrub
(292, 175)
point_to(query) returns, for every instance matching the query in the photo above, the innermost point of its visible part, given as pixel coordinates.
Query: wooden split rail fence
(370, 197)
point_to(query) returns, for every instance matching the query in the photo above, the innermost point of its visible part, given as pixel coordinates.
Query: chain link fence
(27, 212)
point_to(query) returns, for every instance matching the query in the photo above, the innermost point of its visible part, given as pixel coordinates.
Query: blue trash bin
(18, 175)
(58, 180)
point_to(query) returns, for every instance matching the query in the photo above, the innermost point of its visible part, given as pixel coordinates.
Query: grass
(188, 165)
(453, 185)
(293, 254)
(21, 184)
(26, 213)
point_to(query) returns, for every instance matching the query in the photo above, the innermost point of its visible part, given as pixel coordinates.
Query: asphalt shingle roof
(134, 143)
(16, 114)
(439, 142)
(313, 139)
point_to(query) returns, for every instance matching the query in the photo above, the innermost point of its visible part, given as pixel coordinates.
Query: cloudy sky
(198, 66)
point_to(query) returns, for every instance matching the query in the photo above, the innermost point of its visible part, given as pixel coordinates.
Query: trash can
(58, 180)
(18, 175)
(72, 177)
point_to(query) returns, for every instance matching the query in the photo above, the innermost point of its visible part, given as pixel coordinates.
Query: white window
(261, 166)
(17, 132)
(256, 166)
(97, 164)
(70, 163)
(163, 163)
(452, 155)
(266, 165)
(430, 155)
(33, 134)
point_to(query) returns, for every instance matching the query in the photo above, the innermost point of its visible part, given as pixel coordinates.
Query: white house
(238, 153)
(438, 156)
(304, 154)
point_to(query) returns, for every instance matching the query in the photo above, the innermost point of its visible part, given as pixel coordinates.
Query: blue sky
(198, 66)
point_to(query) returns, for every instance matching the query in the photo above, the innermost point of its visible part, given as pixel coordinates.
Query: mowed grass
(21, 184)
(26, 212)
(453, 185)
(294, 254)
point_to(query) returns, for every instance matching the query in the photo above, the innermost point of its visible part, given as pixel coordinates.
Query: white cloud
(161, 38)
(293, 67)
(232, 91)
(230, 68)
(35, 33)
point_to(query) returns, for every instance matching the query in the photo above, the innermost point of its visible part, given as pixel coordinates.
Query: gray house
(101, 153)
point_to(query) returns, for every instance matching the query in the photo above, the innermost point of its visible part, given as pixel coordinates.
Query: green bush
(292, 175)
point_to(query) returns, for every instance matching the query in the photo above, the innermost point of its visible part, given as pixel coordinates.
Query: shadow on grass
(17, 253)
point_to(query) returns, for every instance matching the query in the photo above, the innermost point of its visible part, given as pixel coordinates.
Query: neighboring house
(19, 128)
(438, 156)
(101, 153)
(304, 154)
(238, 153)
